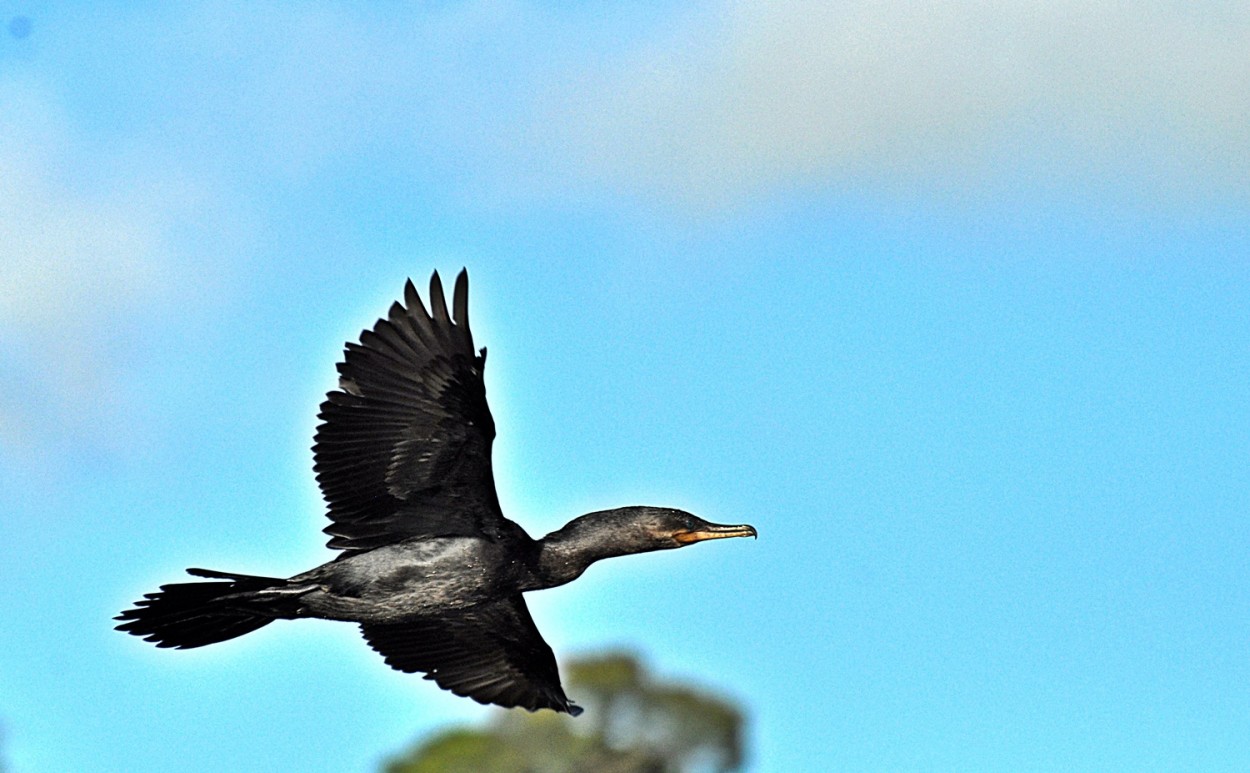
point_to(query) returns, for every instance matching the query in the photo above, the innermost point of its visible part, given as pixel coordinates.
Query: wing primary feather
(460, 301)
(393, 332)
(412, 299)
(402, 321)
(438, 301)
(419, 317)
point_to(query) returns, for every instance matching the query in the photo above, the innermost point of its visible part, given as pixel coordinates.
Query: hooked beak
(715, 531)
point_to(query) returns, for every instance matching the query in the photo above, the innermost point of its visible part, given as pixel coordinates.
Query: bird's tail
(192, 614)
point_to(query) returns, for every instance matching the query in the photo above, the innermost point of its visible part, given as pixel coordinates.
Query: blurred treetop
(633, 724)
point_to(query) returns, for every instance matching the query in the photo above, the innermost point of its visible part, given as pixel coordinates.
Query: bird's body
(412, 578)
(430, 569)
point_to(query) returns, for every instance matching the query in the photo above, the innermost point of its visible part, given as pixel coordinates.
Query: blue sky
(951, 304)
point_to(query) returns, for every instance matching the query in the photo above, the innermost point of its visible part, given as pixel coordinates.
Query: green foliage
(632, 724)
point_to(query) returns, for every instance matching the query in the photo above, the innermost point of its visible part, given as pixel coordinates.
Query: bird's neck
(563, 555)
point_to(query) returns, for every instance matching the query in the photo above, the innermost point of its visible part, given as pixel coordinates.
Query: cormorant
(431, 569)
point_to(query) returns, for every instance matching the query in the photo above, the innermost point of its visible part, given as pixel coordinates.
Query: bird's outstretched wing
(492, 653)
(403, 449)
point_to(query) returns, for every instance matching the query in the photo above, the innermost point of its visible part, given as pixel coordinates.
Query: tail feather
(193, 614)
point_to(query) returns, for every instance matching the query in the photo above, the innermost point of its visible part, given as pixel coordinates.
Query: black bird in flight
(431, 569)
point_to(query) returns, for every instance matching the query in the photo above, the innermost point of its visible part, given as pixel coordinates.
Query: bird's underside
(429, 566)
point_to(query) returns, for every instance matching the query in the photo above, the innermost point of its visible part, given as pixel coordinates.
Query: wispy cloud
(499, 102)
(137, 162)
(753, 96)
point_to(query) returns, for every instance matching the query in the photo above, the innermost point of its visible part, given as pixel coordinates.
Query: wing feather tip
(438, 299)
(460, 300)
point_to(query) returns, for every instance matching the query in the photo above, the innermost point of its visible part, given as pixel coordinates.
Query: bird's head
(640, 529)
(665, 527)
(626, 530)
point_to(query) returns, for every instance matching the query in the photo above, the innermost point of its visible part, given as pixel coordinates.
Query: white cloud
(498, 102)
(763, 95)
